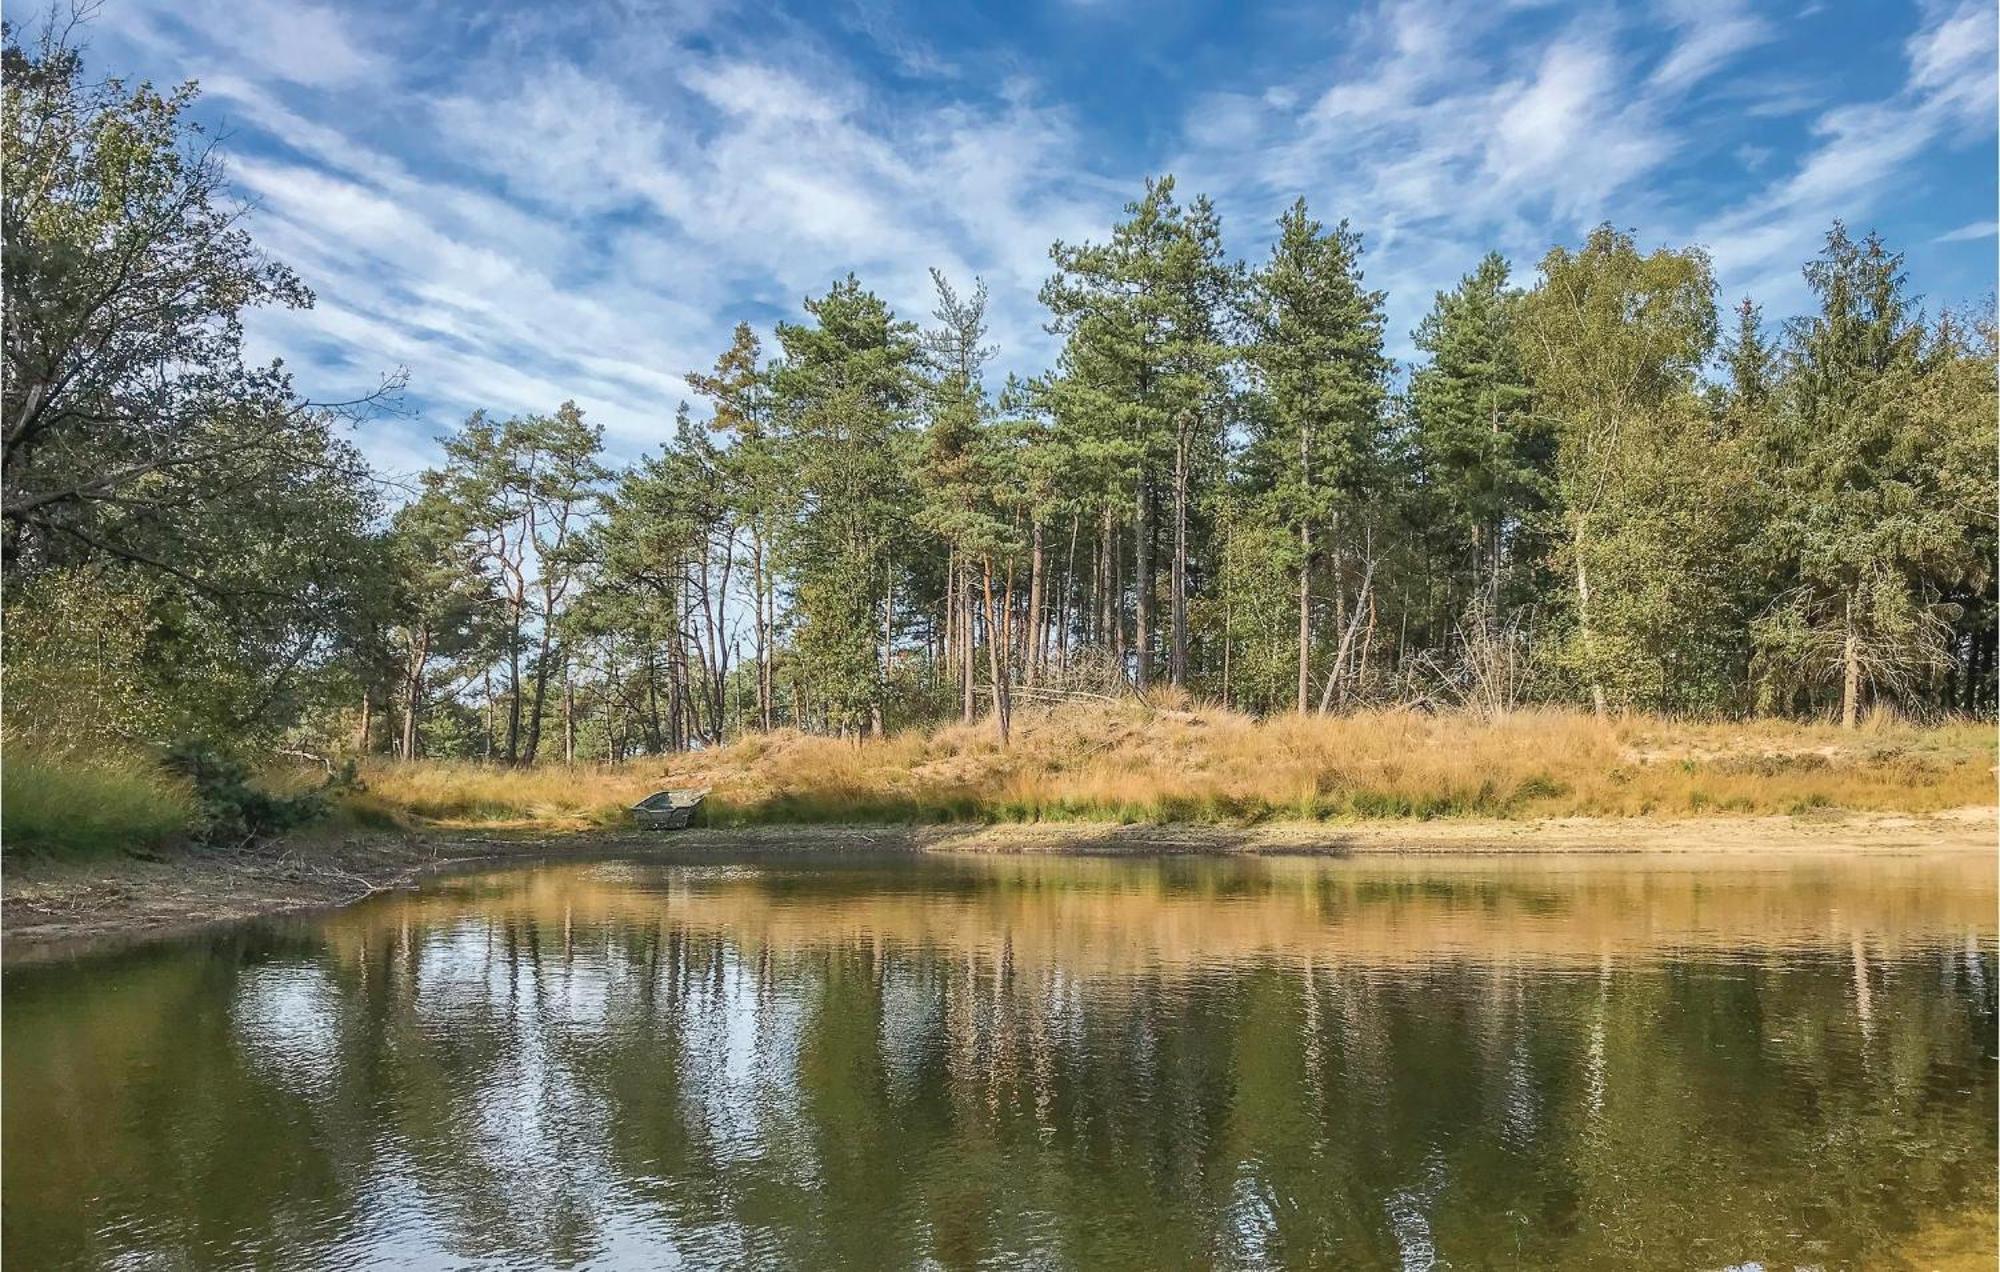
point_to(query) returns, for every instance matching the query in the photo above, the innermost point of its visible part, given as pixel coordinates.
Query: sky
(526, 203)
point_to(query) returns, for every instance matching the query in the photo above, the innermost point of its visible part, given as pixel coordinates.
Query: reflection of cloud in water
(285, 1017)
(1035, 1063)
(1250, 1226)
(739, 1060)
(459, 980)
(1409, 1217)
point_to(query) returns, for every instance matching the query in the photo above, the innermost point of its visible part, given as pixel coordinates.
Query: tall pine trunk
(543, 646)
(1305, 614)
(1065, 598)
(968, 706)
(996, 628)
(760, 587)
(1037, 628)
(1850, 681)
(1142, 583)
(514, 690)
(1177, 655)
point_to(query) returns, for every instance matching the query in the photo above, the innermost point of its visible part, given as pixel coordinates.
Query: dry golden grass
(1131, 764)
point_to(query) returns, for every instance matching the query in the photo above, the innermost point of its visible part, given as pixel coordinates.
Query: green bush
(230, 810)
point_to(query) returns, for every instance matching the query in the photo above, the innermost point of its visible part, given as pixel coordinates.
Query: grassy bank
(86, 805)
(1126, 764)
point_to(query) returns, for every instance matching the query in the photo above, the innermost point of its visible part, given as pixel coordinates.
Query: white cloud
(1858, 153)
(294, 41)
(1712, 33)
(588, 207)
(1969, 233)
(590, 223)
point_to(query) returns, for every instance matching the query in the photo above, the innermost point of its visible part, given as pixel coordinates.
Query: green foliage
(1482, 459)
(845, 390)
(1579, 497)
(1614, 340)
(1316, 448)
(220, 521)
(1867, 538)
(230, 808)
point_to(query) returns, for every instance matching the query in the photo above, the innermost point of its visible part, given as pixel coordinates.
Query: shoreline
(48, 907)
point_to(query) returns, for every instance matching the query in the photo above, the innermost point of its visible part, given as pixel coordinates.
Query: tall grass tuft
(69, 805)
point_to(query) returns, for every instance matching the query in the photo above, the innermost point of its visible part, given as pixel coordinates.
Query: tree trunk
(968, 705)
(1850, 684)
(875, 721)
(1305, 613)
(1106, 584)
(413, 691)
(994, 633)
(569, 715)
(542, 647)
(948, 632)
(1597, 703)
(514, 691)
(1142, 582)
(1363, 599)
(1493, 585)
(759, 586)
(1119, 643)
(1177, 655)
(367, 727)
(1067, 595)
(1037, 629)
(1228, 637)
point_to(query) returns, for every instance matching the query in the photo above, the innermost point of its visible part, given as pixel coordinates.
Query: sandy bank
(48, 905)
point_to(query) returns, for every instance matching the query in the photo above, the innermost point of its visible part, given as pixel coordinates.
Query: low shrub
(230, 808)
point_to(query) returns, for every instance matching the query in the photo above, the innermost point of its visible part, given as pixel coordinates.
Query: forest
(1601, 485)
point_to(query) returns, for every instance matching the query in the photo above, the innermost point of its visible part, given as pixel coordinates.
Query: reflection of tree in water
(579, 1080)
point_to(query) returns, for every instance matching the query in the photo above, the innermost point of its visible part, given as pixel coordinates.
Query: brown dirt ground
(47, 905)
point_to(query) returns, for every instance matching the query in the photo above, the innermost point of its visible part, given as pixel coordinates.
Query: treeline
(1591, 488)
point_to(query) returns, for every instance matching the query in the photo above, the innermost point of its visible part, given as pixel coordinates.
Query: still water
(1668, 1062)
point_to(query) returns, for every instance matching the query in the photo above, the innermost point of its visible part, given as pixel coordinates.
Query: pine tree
(845, 391)
(1481, 457)
(1140, 386)
(1871, 519)
(739, 394)
(1316, 352)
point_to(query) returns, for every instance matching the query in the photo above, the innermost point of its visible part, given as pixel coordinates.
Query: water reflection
(1180, 1062)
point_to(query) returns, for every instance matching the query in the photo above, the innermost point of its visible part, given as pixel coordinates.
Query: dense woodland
(1599, 484)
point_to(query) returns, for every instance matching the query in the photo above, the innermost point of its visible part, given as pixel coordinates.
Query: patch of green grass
(72, 806)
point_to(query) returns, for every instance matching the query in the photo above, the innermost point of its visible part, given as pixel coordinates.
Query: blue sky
(527, 203)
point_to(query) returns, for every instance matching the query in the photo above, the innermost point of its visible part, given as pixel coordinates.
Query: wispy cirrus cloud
(1972, 233)
(1446, 131)
(1857, 154)
(527, 203)
(551, 228)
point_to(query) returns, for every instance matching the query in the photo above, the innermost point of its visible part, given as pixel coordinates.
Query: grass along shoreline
(1099, 765)
(1128, 765)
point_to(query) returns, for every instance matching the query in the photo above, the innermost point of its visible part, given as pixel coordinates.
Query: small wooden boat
(668, 810)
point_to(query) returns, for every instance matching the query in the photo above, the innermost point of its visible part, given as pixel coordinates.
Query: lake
(1034, 1061)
